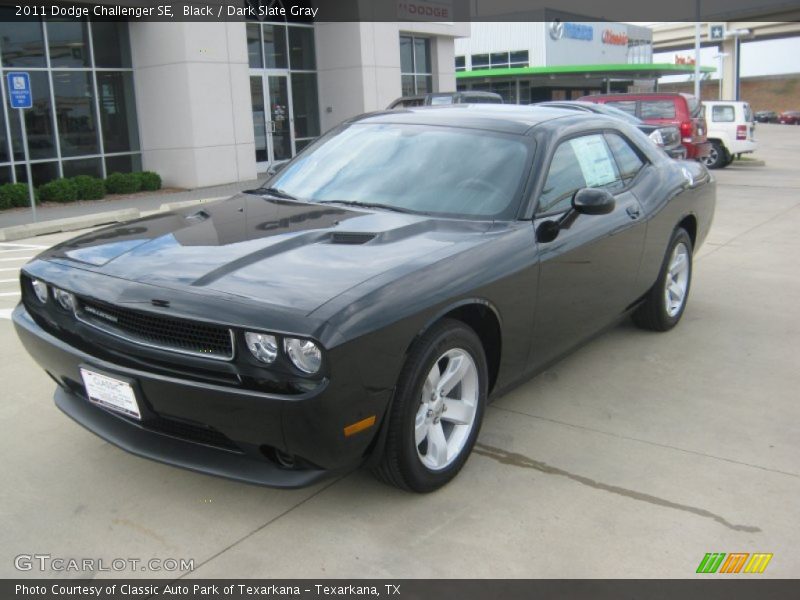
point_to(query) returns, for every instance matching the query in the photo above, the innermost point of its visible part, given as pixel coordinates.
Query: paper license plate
(110, 393)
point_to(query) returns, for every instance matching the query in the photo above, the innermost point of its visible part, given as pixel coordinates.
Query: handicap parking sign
(19, 90)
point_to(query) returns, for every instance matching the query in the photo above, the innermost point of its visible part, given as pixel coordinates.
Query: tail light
(686, 131)
(741, 132)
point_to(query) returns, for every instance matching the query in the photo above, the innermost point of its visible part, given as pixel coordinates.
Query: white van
(730, 130)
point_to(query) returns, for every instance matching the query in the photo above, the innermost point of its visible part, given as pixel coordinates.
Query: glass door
(272, 119)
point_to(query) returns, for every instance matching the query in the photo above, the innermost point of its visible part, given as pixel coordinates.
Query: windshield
(427, 169)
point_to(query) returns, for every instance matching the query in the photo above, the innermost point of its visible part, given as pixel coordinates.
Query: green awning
(613, 71)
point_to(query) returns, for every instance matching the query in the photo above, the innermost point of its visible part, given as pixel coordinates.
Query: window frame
(416, 73)
(534, 200)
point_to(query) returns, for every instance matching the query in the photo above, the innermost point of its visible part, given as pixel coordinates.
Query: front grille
(155, 331)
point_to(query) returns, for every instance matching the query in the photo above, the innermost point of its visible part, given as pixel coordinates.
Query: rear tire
(665, 302)
(437, 410)
(717, 157)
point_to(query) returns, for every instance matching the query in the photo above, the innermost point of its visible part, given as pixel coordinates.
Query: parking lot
(633, 457)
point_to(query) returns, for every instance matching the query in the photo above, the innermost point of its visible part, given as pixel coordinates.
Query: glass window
(111, 45)
(658, 109)
(305, 105)
(301, 49)
(38, 122)
(415, 66)
(40, 172)
(581, 162)
(519, 58)
(259, 117)
(628, 106)
(75, 112)
(21, 42)
(69, 43)
(461, 63)
(628, 160)
(440, 170)
(5, 152)
(5, 175)
(422, 55)
(126, 163)
(254, 46)
(480, 61)
(117, 111)
(83, 166)
(498, 60)
(723, 113)
(275, 47)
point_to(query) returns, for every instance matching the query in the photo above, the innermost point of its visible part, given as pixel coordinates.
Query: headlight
(65, 299)
(40, 289)
(262, 345)
(305, 354)
(657, 138)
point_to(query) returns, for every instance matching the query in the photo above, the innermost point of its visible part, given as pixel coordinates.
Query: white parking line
(5, 313)
(15, 258)
(22, 246)
(9, 280)
(9, 293)
(9, 269)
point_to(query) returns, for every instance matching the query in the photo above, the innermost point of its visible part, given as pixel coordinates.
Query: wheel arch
(483, 318)
(689, 223)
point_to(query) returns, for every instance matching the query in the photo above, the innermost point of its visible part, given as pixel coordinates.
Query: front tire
(665, 302)
(437, 409)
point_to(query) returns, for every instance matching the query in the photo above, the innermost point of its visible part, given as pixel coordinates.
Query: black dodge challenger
(367, 302)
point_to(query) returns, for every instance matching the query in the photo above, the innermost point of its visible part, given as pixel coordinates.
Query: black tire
(401, 465)
(717, 157)
(653, 314)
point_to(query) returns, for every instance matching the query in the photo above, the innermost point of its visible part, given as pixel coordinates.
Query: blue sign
(578, 31)
(19, 90)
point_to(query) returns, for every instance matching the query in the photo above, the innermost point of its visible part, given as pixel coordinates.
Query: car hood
(291, 254)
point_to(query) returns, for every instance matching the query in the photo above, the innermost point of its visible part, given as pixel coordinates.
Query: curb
(18, 232)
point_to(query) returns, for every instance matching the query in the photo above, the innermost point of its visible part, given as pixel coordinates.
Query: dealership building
(207, 103)
(202, 103)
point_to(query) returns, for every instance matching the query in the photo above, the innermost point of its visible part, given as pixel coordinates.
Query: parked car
(442, 98)
(407, 102)
(766, 116)
(682, 110)
(365, 304)
(730, 131)
(667, 138)
(789, 117)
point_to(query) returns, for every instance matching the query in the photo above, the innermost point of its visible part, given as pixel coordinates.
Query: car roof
(507, 118)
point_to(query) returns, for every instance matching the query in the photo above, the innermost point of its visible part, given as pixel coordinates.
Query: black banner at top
(444, 11)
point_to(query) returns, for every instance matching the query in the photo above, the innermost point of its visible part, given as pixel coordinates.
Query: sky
(767, 57)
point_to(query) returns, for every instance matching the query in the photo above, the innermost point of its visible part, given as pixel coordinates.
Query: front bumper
(214, 429)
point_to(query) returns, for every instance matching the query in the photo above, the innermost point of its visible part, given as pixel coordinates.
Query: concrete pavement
(633, 457)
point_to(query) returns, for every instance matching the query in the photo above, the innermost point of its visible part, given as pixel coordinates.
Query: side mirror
(276, 168)
(593, 201)
(586, 201)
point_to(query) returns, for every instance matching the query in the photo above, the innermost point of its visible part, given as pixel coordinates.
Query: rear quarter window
(628, 106)
(723, 113)
(658, 109)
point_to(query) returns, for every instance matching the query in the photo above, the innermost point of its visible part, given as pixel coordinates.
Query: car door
(588, 272)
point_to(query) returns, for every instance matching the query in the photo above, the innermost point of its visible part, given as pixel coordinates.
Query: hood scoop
(198, 217)
(351, 239)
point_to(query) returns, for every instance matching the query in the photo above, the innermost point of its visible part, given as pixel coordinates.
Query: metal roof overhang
(612, 71)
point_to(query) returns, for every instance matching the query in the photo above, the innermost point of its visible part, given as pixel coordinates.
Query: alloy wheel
(447, 409)
(676, 283)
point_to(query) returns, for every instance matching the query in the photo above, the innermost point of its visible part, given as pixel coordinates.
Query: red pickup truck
(681, 110)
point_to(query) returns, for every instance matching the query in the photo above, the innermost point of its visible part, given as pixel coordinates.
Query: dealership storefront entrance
(283, 90)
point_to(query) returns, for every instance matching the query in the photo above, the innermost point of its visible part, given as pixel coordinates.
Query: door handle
(633, 212)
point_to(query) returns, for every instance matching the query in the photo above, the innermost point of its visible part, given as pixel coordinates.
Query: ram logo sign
(735, 562)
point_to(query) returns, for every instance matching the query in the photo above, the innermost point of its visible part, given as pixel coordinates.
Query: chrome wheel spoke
(437, 445)
(420, 426)
(456, 369)
(677, 279)
(458, 411)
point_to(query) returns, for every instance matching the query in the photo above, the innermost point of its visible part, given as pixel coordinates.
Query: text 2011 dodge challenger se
(366, 303)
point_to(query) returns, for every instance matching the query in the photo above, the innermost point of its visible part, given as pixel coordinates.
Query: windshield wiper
(277, 192)
(372, 205)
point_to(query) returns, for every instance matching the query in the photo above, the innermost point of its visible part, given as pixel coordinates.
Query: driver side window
(581, 162)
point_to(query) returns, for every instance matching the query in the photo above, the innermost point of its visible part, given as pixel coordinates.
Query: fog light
(263, 346)
(305, 354)
(40, 289)
(65, 299)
